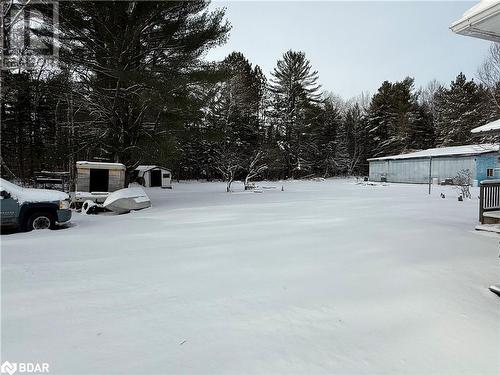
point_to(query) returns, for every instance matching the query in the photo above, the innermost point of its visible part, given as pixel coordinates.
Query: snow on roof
(493, 126)
(444, 151)
(144, 168)
(99, 165)
(148, 167)
(478, 8)
(481, 21)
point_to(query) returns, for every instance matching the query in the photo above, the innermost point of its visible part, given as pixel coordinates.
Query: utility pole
(430, 174)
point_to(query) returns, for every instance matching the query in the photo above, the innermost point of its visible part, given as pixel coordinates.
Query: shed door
(99, 180)
(155, 176)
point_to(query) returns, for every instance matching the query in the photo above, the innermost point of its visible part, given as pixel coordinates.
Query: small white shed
(153, 176)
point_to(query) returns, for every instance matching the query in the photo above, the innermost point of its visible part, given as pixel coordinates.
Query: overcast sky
(355, 46)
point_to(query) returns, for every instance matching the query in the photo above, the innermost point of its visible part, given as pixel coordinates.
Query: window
(166, 175)
(490, 172)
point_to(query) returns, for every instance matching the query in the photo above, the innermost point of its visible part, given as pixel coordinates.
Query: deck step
(492, 214)
(491, 217)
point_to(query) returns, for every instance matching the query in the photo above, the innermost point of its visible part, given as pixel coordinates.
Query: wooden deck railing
(489, 197)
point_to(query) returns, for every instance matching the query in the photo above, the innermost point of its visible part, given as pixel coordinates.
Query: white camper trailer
(153, 176)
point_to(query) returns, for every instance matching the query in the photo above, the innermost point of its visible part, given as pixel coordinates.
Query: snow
(142, 199)
(445, 151)
(493, 126)
(131, 192)
(476, 9)
(81, 195)
(144, 168)
(99, 165)
(481, 21)
(495, 228)
(323, 277)
(22, 195)
(490, 182)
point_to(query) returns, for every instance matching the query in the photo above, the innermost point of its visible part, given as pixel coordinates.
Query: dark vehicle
(28, 209)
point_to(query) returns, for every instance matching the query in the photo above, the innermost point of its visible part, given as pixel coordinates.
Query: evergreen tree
(234, 117)
(421, 134)
(294, 91)
(394, 118)
(325, 141)
(138, 65)
(458, 110)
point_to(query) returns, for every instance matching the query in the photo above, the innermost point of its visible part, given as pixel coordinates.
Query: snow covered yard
(325, 277)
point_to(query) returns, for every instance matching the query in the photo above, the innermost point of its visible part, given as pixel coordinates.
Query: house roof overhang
(481, 21)
(491, 128)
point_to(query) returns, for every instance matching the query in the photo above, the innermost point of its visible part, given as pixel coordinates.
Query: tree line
(131, 85)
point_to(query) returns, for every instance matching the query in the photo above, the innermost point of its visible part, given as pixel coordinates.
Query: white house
(153, 175)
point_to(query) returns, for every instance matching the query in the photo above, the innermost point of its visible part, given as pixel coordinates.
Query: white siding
(166, 178)
(166, 182)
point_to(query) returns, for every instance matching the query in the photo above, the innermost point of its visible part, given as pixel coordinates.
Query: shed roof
(468, 150)
(492, 127)
(144, 168)
(480, 21)
(99, 165)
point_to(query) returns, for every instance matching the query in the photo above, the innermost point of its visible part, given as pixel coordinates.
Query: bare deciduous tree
(255, 168)
(489, 73)
(228, 162)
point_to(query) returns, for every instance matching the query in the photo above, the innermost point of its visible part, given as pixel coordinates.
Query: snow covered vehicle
(29, 209)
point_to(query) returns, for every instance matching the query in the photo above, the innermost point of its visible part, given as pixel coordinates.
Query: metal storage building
(442, 163)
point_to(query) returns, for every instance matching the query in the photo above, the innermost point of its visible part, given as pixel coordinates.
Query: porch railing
(489, 197)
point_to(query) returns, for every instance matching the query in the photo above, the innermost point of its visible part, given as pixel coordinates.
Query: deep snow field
(324, 277)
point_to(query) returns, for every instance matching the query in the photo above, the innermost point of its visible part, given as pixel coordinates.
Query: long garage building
(442, 163)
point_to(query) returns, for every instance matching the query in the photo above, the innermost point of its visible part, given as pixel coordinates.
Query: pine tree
(392, 118)
(294, 91)
(458, 110)
(138, 65)
(421, 134)
(324, 135)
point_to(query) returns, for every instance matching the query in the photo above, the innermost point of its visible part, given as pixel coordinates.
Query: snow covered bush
(462, 182)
